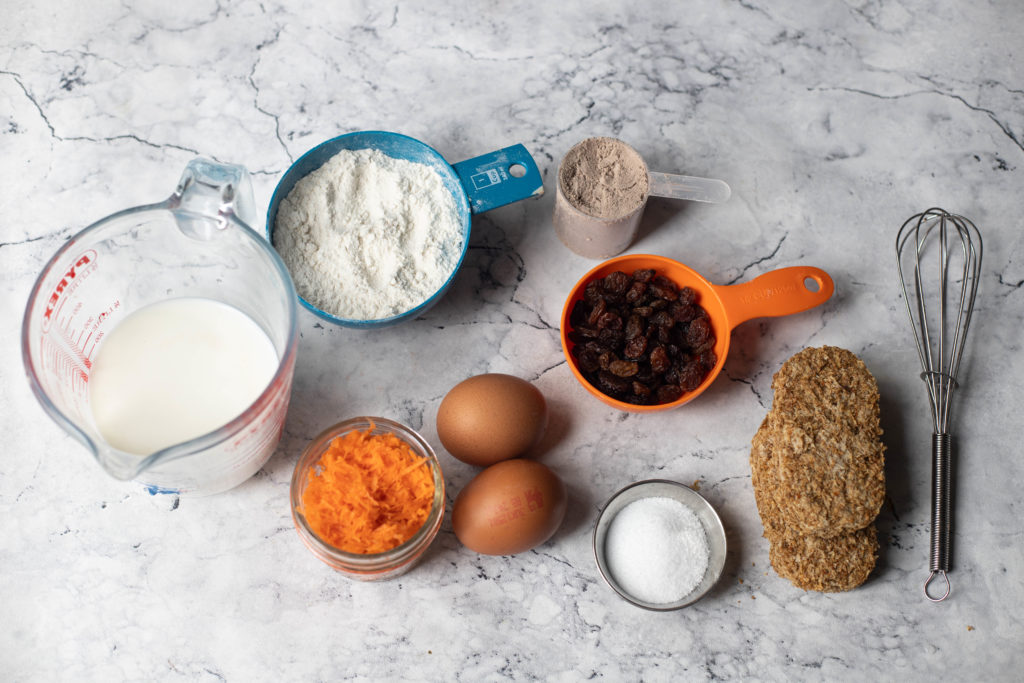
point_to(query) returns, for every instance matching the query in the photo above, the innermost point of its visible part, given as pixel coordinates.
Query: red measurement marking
(82, 266)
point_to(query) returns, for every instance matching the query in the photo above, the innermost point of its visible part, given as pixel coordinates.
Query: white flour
(367, 236)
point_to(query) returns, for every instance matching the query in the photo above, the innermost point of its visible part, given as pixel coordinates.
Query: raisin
(634, 327)
(580, 312)
(604, 361)
(683, 313)
(611, 337)
(643, 274)
(660, 362)
(587, 360)
(645, 374)
(635, 347)
(611, 384)
(615, 283)
(708, 344)
(687, 296)
(708, 359)
(623, 368)
(663, 288)
(664, 335)
(636, 292)
(609, 320)
(658, 304)
(668, 392)
(698, 331)
(691, 376)
(596, 312)
(643, 311)
(662, 319)
(592, 293)
(641, 389)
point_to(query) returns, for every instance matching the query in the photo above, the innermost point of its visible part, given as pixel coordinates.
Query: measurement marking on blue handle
(486, 179)
(489, 184)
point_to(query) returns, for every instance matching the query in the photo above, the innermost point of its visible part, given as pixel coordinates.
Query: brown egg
(510, 507)
(490, 418)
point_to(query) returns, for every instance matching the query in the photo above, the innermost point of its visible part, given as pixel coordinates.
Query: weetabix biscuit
(817, 470)
(762, 477)
(834, 564)
(827, 449)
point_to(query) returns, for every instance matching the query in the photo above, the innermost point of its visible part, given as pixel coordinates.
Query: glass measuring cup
(195, 244)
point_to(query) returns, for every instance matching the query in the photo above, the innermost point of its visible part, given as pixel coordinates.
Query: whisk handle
(941, 522)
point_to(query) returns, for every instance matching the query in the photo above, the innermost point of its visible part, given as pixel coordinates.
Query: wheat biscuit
(826, 452)
(832, 565)
(762, 478)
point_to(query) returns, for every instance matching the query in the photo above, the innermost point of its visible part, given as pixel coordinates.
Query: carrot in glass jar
(369, 493)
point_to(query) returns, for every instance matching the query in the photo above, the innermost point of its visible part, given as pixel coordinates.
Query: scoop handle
(778, 292)
(687, 187)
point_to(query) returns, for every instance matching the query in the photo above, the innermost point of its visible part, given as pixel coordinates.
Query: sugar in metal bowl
(693, 501)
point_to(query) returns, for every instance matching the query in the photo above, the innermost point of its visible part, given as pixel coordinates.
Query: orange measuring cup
(776, 293)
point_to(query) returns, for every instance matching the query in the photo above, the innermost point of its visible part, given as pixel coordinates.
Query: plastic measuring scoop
(605, 236)
(776, 293)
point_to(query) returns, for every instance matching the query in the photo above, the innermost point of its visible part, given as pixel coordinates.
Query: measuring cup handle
(778, 292)
(499, 178)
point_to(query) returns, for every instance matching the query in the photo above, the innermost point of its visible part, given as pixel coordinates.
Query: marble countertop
(832, 121)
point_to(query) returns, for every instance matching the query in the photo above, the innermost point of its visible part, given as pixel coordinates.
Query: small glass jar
(371, 566)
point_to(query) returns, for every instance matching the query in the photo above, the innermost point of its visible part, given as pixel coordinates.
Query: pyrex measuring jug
(195, 244)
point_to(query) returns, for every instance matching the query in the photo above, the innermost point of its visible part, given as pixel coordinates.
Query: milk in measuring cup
(175, 370)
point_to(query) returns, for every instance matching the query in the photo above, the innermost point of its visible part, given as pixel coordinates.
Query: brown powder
(604, 178)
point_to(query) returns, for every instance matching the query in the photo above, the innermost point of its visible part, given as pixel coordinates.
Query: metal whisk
(940, 342)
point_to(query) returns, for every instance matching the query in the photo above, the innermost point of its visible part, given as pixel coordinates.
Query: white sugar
(657, 550)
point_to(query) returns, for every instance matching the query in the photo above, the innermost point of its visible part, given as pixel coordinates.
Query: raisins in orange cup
(776, 293)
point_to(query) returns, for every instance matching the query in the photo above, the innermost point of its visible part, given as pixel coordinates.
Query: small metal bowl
(662, 488)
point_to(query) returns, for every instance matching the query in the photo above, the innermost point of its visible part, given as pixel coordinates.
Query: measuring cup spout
(209, 190)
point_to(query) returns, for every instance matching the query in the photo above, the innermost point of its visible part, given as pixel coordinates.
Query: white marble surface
(832, 121)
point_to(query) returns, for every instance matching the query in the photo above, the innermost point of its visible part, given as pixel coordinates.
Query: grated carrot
(369, 493)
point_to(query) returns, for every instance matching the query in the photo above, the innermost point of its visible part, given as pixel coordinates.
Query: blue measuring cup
(477, 185)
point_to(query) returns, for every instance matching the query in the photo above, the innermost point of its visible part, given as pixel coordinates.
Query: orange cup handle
(778, 292)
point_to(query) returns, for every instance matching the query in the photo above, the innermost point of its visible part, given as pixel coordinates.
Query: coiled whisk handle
(940, 542)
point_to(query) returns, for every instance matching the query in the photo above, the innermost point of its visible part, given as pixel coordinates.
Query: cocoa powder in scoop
(604, 178)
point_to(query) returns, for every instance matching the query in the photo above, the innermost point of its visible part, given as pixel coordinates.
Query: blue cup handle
(489, 179)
